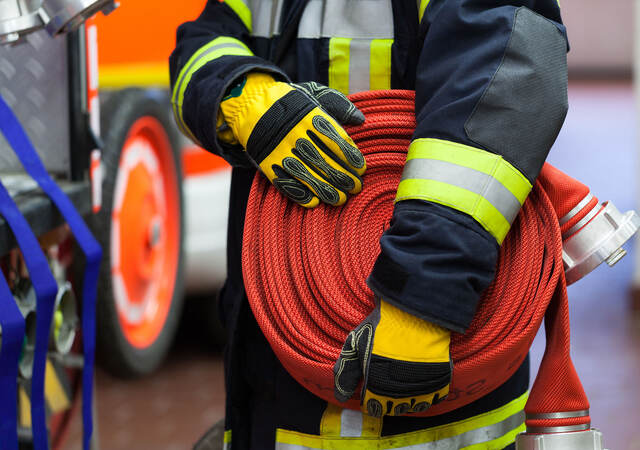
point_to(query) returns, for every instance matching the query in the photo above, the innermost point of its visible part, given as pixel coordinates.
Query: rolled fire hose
(305, 271)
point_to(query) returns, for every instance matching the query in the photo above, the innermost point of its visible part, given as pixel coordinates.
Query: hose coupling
(590, 439)
(65, 320)
(597, 238)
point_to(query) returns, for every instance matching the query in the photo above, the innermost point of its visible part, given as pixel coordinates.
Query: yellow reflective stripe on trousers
(357, 65)
(492, 430)
(226, 442)
(471, 180)
(422, 6)
(343, 422)
(242, 11)
(222, 46)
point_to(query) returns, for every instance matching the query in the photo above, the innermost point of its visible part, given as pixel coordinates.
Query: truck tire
(140, 227)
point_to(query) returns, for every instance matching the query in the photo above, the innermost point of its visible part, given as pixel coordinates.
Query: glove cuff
(422, 340)
(248, 101)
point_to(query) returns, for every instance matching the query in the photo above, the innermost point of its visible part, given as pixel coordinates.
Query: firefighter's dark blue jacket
(491, 96)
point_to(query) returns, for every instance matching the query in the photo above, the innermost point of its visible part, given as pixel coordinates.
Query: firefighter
(261, 83)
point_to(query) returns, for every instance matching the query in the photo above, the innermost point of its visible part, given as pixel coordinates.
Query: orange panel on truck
(135, 41)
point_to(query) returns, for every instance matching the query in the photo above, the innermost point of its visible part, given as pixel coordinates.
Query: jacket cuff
(435, 263)
(205, 92)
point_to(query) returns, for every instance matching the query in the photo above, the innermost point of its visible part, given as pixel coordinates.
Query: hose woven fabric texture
(305, 274)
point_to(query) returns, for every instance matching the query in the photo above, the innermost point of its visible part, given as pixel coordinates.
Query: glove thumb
(348, 369)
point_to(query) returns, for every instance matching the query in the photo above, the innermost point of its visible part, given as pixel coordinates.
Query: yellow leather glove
(404, 361)
(291, 132)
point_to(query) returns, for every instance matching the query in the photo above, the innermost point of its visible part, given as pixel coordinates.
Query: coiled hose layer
(305, 272)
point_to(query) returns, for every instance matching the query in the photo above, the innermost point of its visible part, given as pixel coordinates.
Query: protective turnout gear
(475, 66)
(290, 132)
(404, 361)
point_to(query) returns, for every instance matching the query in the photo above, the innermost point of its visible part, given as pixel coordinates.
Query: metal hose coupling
(65, 320)
(592, 233)
(63, 16)
(18, 18)
(563, 437)
(25, 298)
(596, 238)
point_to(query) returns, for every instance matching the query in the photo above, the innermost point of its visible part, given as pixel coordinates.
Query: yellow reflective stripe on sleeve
(380, 67)
(422, 6)
(471, 180)
(458, 198)
(486, 431)
(242, 10)
(339, 64)
(473, 158)
(221, 46)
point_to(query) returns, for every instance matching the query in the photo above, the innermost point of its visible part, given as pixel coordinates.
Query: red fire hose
(305, 272)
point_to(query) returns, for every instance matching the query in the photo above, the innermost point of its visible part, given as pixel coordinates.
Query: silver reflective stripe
(359, 19)
(350, 423)
(311, 21)
(359, 58)
(466, 178)
(265, 15)
(576, 209)
(472, 437)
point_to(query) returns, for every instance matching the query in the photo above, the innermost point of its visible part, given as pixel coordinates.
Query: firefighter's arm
(211, 54)
(491, 97)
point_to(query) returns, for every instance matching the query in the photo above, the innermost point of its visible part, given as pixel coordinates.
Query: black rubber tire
(114, 352)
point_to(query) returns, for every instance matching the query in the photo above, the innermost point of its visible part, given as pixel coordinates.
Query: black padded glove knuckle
(297, 170)
(351, 153)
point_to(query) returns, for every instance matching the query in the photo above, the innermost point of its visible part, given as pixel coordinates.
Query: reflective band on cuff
(222, 46)
(422, 6)
(357, 65)
(242, 10)
(494, 429)
(468, 179)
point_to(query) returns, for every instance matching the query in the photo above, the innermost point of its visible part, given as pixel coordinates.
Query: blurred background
(167, 403)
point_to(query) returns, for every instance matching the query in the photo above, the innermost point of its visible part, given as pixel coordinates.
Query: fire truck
(91, 94)
(163, 216)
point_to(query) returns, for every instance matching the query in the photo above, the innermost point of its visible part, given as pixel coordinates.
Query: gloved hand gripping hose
(305, 272)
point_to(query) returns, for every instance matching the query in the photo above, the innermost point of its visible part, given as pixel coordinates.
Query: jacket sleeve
(491, 97)
(211, 53)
